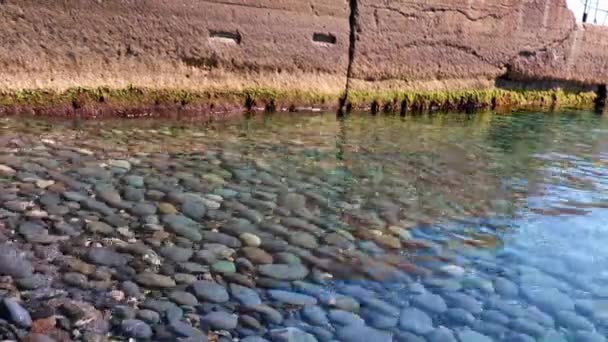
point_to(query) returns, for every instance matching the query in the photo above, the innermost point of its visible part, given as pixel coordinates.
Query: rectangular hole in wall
(324, 38)
(225, 36)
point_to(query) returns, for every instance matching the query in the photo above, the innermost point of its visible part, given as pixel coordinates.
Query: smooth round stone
(182, 226)
(211, 204)
(31, 228)
(539, 317)
(441, 334)
(472, 336)
(106, 257)
(291, 297)
(33, 282)
(494, 316)
(245, 295)
(250, 322)
(404, 336)
(291, 334)
(220, 251)
(136, 329)
(460, 316)
(123, 311)
(402, 233)
(585, 307)
(357, 291)
(176, 254)
(43, 184)
(345, 303)
(416, 321)
(225, 193)
(193, 207)
(183, 298)
(220, 320)
(338, 240)
(120, 164)
(283, 272)
(143, 209)
(388, 241)
(222, 239)
(256, 255)
(35, 337)
(16, 313)
(362, 333)
(130, 289)
(549, 299)
(490, 328)
(250, 240)
(553, 336)
(379, 320)
(345, 317)
(155, 195)
(154, 280)
(303, 239)
(210, 291)
(527, 327)
(572, 321)
(587, 336)
(135, 181)
(430, 302)
(205, 257)
(514, 337)
(148, 316)
(75, 279)
(269, 314)
(192, 267)
(453, 270)
(464, 301)
(508, 308)
(167, 208)
(223, 267)
(315, 315)
(182, 329)
(448, 285)
(380, 306)
(505, 287)
(133, 194)
(185, 278)
(254, 339)
(316, 290)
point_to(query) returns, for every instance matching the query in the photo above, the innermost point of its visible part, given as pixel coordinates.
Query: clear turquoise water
(497, 224)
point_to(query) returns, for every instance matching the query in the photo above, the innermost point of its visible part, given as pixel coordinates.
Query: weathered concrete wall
(189, 44)
(413, 44)
(405, 45)
(582, 57)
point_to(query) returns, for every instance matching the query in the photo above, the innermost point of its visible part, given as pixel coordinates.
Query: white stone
(453, 270)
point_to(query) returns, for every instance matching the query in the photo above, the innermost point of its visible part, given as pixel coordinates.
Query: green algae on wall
(135, 97)
(469, 99)
(65, 102)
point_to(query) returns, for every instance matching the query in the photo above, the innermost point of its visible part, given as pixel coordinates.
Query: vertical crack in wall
(353, 26)
(601, 98)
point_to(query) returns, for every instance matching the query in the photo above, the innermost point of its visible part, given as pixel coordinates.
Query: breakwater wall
(223, 55)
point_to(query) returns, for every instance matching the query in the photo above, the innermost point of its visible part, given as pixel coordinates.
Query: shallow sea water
(442, 227)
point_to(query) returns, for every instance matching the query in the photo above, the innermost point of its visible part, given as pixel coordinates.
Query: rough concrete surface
(191, 44)
(303, 45)
(459, 44)
(583, 57)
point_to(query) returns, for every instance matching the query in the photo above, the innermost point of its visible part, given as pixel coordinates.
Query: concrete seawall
(293, 52)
